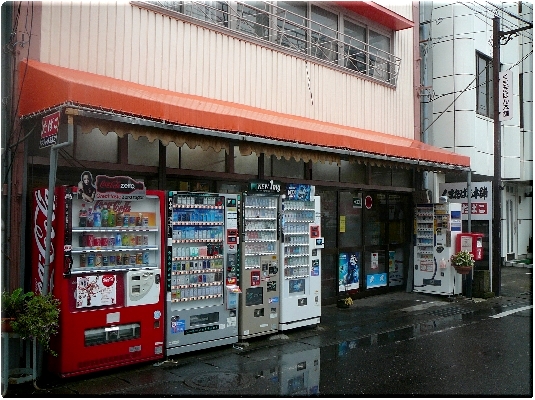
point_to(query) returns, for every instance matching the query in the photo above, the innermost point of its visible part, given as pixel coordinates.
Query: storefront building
(210, 96)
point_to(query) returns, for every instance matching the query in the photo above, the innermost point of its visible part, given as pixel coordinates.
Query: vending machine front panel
(260, 301)
(108, 317)
(201, 242)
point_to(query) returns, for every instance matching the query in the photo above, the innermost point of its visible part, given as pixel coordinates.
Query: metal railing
(286, 29)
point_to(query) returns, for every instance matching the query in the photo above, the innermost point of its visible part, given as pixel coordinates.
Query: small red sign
(368, 202)
(49, 130)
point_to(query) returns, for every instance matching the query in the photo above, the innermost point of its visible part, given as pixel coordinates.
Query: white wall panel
(465, 128)
(123, 41)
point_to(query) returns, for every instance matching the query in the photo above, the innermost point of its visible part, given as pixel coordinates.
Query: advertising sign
(481, 198)
(96, 291)
(119, 188)
(506, 95)
(298, 192)
(271, 186)
(348, 271)
(49, 130)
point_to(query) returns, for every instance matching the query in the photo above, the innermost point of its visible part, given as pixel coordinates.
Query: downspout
(424, 42)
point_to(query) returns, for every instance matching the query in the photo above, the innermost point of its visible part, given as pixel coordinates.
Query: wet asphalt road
(398, 344)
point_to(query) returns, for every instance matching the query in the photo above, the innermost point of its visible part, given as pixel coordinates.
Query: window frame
(487, 86)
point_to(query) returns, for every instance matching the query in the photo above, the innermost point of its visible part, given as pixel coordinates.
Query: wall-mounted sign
(368, 202)
(270, 186)
(119, 188)
(49, 130)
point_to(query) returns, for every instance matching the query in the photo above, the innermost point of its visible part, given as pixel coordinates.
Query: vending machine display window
(297, 286)
(112, 334)
(203, 319)
(254, 296)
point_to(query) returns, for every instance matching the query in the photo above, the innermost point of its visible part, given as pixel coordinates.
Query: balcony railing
(288, 30)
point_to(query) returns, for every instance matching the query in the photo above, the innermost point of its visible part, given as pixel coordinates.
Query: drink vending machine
(202, 257)
(436, 228)
(300, 281)
(105, 268)
(259, 301)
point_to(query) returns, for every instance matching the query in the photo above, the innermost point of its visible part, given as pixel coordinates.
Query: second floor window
(328, 35)
(484, 97)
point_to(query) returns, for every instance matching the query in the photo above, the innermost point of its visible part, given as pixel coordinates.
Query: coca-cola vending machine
(106, 269)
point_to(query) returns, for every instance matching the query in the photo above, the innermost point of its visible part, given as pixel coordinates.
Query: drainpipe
(424, 36)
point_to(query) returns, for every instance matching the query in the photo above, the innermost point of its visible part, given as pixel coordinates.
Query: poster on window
(375, 280)
(348, 271)
(395, 267)
(96, 291)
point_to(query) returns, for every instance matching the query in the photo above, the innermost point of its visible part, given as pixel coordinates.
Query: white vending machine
(436, 229)
(300, 252)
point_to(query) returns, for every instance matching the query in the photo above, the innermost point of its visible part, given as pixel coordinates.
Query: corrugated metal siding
(133, 44)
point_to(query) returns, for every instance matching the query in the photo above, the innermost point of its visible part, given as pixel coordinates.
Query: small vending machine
(202, 298)
(259, 301)
(106, 267)
(300, 252)
(436, 229)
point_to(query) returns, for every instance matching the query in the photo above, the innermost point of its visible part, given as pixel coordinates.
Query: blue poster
(348, 271)
(298, 192)
(375, 280)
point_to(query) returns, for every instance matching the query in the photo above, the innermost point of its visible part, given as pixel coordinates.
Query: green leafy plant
(39, 319)
(13, 303)
(462, 259)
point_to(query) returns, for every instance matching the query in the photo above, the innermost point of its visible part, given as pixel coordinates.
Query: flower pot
(6, 324)
(342, 304)
(462, 269)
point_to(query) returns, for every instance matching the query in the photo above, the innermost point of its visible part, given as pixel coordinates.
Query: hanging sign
(119, 188)
(49, 130)
(506, 95)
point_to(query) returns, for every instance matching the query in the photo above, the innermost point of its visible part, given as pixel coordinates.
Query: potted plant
(463, 262)
(12, 306)
(345, 300)
(39, 319)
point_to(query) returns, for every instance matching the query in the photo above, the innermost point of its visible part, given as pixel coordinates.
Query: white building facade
(456, 48)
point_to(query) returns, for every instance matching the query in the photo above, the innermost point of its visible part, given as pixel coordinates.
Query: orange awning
(46, 86)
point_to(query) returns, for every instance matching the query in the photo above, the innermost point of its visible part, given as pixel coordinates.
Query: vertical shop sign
(506, 95)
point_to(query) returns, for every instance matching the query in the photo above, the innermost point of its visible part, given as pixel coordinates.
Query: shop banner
(481, 198)
(119, 188)
(260, 186)
(348, 271)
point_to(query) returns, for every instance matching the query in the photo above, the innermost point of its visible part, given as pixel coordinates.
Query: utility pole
(496, 191)
(496, 181)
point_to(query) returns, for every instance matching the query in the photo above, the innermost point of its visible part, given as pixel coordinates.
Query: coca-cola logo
(118, 184)
(118, 206)
(39, 234)
(108, 280)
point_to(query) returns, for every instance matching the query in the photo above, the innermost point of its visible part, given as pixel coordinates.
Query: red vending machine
(106, 269)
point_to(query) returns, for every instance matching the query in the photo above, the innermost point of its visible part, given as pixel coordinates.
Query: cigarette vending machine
(300, 250)
(105, 268)
(436, 229)
(259, 301)
(202, 247)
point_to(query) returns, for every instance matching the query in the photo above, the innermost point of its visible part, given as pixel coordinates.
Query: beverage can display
(118, 239)
(132, 220)
(119, 259)
(98, 260)
(126, 219)
(90, 240)
(132, 259)
(97, 242)
(111, 241)
(119, 219)
(139, 258)
(139, 219)
(145, 222)
(139, 240)
(125, 240)
(83, 260)
(90, 260)
(145, 240)
(113, 260)
(145, 257)
(126, 259)
(105, 260)
(104, 241)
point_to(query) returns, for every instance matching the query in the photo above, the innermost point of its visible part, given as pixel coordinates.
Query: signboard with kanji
(49, 130)
(481, 198)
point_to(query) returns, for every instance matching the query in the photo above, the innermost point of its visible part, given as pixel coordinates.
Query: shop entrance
(371, 229)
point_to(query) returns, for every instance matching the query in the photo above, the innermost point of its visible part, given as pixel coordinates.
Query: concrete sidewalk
(367, 316)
